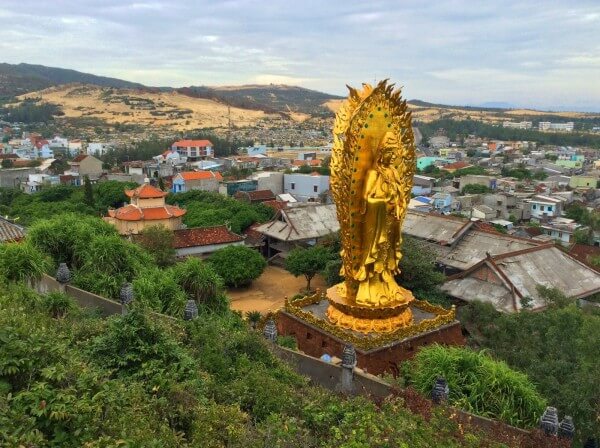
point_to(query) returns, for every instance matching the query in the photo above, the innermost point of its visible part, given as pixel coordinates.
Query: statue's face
(387, 157)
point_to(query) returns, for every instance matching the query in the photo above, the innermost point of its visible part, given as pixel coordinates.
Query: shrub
(237, 265)
(58, 304)
(201, 283)
(22, 261)
(479, 384)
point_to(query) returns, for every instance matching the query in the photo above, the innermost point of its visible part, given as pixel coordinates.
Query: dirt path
(269, 291)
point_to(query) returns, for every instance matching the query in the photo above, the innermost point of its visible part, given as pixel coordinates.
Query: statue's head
(388, 148)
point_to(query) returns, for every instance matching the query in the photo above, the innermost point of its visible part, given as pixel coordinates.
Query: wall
(12, 177)
(273, 182)
(304, 186)
(316, 342)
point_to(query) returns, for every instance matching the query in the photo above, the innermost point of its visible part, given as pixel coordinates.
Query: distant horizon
(486, 104)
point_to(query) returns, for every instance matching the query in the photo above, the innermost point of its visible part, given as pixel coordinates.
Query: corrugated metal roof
(473, 247)
(302, 223)
(523, 271)
(431, 227)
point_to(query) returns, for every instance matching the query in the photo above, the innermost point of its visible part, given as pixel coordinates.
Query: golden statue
(372, 169)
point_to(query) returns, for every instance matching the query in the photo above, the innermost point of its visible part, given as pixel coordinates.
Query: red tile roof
(134, 213)
(201, 175)
(204, 236)
(79, 158)
(146, 191)
(276, 204)
(456, 166)
(199, 143)
(585, 253)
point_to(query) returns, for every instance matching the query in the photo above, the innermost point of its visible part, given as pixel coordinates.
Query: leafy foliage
(205, 209)
(418, 272)
(307, 262)
(475, 189)
(22, 261)
(556, 348)
(237, 265)
(158, 241)
(478, 384)
(201, 283)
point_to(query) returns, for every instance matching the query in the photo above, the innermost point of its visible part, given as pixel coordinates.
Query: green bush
(479, 384)
(237, 265)
(22, 261)
(58, 304)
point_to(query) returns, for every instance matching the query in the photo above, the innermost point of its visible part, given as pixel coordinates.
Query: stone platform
(306, 320)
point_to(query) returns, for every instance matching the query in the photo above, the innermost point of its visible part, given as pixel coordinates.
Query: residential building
(422, 185)
(75, 146)
(35, 182)
(194, 149)
(459, 243)
(549, 126)
(230, 188)
(583, 181)
(545, 207)
(483, 212)
(196, 180)
(269, 180)
(510, 280)
(452, 167)
(147, 208)
(424, 162)
(561, 229)
(86, 165)
(202, 241)
(420, 204)
(474, 179)
(439, 141)
(255, 197)
(255, 150)
(12, 177)
(442, 202)
(517, 125)
(98, 148)
(299, 225)
(306, 187)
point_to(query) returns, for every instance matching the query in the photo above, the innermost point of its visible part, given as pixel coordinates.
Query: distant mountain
(269, 98)
(491, 107)
(496, 105)
(17, 79)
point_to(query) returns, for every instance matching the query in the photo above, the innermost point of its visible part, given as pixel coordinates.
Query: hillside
(269, 98)
(142, 107)
(17, 79)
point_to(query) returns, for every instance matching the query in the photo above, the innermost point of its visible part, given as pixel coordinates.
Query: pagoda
(147, 208)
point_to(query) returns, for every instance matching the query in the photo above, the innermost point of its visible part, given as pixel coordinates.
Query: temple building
(147, 208)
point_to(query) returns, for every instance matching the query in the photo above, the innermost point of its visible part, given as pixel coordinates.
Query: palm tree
(254, 318)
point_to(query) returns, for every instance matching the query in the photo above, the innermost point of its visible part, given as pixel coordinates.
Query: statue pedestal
(307, 321)
(351, 316)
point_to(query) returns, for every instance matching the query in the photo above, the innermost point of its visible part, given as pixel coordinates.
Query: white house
(306, 187)
(97, 148)
(194, 149)
(545, 207)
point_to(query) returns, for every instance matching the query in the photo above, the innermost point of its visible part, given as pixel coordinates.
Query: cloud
(459, 51)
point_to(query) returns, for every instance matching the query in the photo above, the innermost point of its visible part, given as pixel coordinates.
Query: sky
(542, 54)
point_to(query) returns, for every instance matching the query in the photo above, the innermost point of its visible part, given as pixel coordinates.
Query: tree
(7, 163)
(158, 242)
(161, 183)
(475, 189)
(418, 272)
(307, 262)
(237, 265)
(201, 283)
(88, 195)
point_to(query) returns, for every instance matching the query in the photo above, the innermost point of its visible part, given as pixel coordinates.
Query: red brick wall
(315, 342)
